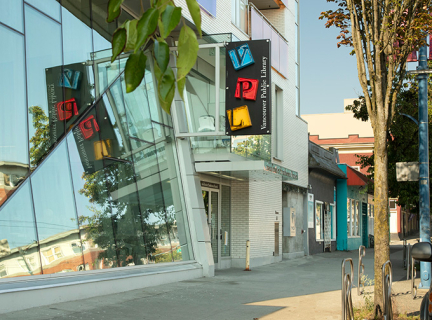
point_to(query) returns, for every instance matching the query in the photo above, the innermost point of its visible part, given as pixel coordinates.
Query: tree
(41, 140)
(382, 34)
(150, 32)
(402, 142)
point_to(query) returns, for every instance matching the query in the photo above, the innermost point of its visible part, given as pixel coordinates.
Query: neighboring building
(353, 138)
(323, 176)
(355, 212)
(106, 187)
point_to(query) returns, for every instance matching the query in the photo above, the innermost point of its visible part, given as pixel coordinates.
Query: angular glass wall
(19, 255)
(104, 189)
(14, 161)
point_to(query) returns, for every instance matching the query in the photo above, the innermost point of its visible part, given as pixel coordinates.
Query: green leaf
(161, 54)
(134, 70)
(114, 9)
(170, 19)
(158, 72)
(131, 35)
(166, 83)
(195, 12)
(146, 26)
(180, 86)
(118, 43)
(166, 90)
(187, 51)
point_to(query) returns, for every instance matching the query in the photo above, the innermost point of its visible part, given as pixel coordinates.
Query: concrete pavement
(304, 288)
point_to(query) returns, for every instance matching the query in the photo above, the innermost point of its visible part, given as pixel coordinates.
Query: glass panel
(77, 35)
(200, 93)
(173, 200)
(357, 228)
(318, 221)
(156, 218)
(226, 221)
(55, 214)
(214, 203)
(348, 217)
(257, 27)
(283, 58)
(353, 217)
(252, 147)
(49, 7)
(94, 211)
(11, 14)
(13, 138)
(275, 39)
(222, 89)
(19, 255)
(43, 51)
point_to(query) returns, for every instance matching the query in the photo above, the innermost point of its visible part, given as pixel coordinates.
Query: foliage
(40, 142)
(118, 226)
(150, 31)
(257, 147)
(382, 33)
(402, 140)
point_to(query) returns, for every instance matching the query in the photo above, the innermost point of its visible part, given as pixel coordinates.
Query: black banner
(96, 140)
(69, 95)
(248, 92)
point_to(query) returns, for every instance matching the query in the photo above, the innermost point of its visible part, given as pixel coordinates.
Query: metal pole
(247, 255)
(425, 267)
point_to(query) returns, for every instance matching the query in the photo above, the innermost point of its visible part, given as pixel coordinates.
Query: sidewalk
(305, 288)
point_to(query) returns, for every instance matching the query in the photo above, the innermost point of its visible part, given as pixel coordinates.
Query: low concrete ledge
(36, 291)
(293, 255)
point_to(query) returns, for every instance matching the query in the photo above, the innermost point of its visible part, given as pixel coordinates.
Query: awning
(356, 178)
(247, 170)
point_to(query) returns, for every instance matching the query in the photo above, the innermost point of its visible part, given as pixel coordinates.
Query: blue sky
(327, 74)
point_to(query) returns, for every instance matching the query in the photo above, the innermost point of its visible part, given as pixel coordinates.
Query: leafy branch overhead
(150, 32)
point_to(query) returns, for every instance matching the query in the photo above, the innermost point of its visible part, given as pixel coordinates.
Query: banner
(69, 95)
(248, 88)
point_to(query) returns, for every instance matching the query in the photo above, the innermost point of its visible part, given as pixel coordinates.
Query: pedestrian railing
(387, 284)
(360, 271)
(347, 306)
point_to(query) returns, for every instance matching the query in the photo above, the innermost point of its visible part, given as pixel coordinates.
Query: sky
(328, 74)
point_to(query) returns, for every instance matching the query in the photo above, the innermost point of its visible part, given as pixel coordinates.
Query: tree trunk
(381, 221)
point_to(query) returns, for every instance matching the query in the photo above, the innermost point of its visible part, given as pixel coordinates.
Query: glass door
(211, 205)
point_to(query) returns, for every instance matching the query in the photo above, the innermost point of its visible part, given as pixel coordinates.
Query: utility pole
(425, 267)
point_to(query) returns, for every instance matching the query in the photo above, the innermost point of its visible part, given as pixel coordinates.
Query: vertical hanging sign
(248, 92)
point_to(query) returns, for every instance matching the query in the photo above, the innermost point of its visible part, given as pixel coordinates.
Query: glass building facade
(89, 175)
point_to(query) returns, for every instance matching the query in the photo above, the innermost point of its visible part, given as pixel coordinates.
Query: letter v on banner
(241, 57)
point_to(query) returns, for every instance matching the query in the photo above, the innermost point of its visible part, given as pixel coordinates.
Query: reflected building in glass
(104, 185)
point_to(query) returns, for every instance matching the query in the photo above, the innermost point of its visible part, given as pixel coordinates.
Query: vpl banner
(248, 92)
(69, 96)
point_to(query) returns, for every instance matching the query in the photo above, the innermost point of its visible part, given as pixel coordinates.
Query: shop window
(392, 203)
(333, 221)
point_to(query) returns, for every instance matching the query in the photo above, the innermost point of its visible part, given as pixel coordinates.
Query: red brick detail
(352, 138)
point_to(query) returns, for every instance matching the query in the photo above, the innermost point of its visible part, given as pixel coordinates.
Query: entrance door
(211, 203)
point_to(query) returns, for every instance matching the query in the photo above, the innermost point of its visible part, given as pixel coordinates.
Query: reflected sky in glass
(11, 14)
(49, 7)
(13, 111)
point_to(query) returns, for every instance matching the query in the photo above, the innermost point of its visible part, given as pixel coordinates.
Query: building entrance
(211, 199)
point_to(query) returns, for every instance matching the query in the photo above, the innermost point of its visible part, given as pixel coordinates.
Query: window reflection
(43, 51)
(12, 14)
(19, 254)
(56, 217)
(49, 7)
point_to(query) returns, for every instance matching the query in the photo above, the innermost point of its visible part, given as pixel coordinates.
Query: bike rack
(347, 306)
(360, 271)
(413, 276)
(387, 284)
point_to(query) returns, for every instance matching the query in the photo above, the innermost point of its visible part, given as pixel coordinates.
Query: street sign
(407, 171)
